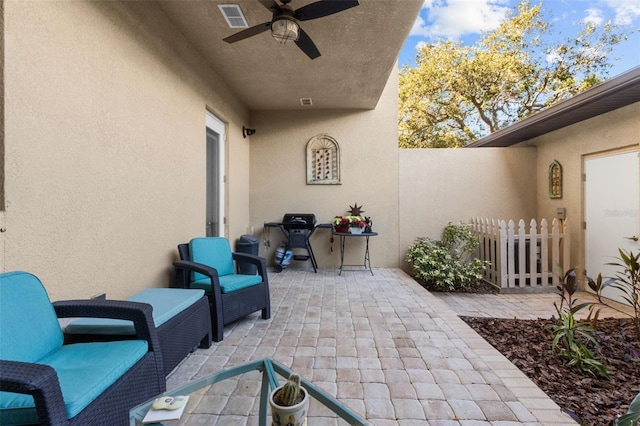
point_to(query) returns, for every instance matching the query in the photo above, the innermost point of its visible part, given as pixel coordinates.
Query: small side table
(367, 259)
(270, 370)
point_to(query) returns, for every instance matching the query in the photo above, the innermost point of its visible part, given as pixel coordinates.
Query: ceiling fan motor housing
(285, 25)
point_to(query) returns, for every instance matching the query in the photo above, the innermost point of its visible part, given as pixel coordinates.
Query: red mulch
(590, 399)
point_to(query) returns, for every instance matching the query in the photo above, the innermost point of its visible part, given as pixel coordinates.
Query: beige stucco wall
(105, 171)
(369, 175)
(105, 140)
(438, 186)
(606, 132)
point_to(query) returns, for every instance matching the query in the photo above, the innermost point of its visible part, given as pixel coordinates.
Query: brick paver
(383, 346)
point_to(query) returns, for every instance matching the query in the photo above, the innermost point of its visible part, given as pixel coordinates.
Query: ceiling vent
(233, 15)
(306, 102)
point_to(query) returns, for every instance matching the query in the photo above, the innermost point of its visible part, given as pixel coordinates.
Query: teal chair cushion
(85, 370)
(214, 252)
(229, 283)
(29, 324)
(166, 303)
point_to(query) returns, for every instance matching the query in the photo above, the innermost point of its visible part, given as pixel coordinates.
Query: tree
(457, 94)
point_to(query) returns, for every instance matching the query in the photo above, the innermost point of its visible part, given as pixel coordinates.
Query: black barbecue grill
(297, 229)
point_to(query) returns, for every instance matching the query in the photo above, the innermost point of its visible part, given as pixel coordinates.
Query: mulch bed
(590, 399)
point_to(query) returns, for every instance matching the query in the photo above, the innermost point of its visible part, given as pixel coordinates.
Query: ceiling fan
(285, 25)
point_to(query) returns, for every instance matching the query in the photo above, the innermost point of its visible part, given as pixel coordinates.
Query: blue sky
(465, 19)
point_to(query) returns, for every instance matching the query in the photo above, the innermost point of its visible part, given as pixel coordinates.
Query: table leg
(367, 258)
(342, 238)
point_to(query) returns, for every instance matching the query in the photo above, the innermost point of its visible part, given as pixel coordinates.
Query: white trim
(215, 124)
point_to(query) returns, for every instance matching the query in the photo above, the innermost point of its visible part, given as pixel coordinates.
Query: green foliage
(569, 340)
(450, 263)
(632, 418)
(456, 94)
(290, 394)
(572, 337)
(626, 281)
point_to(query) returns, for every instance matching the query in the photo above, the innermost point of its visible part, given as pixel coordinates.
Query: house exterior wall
(438, 186)
(104, 157)
(368, 143)
(614, 130)
(105, 145)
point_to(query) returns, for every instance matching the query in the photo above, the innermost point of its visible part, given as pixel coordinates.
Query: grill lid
(299, 221)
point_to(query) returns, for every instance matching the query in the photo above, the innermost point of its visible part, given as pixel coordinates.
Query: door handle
(633, 238)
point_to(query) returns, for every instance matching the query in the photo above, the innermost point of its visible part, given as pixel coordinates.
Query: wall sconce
(247, 132)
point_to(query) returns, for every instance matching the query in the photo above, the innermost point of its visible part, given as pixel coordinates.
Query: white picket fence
(533, 265)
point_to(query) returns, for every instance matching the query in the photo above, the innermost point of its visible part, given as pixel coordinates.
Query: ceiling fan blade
(323, 8)
(249, 32)
(307, 45)
(271, 5)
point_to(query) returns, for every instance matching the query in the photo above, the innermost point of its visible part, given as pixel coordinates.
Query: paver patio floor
(382, 345)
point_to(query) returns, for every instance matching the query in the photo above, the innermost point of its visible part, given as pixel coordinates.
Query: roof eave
(616, 93)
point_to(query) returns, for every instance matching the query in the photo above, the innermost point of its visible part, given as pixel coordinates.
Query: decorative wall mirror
(323, 161)
(555, 180)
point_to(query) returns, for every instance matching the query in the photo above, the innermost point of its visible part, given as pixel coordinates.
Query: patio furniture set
(109, 363)
(116, 354)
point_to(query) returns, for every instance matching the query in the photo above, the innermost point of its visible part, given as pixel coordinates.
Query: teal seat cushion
(166, 303)
(229, 283)
(85, 370)
(214, 252)
(29, 324)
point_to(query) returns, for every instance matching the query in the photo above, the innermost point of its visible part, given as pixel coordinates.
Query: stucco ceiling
(358, 47)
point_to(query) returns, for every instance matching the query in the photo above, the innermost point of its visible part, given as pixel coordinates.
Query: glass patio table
(269, 369)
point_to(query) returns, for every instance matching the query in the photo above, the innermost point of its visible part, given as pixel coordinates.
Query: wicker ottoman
(181, 317)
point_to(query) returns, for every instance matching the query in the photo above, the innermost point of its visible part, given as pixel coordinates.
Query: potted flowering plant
(356, 222)
(343, 224)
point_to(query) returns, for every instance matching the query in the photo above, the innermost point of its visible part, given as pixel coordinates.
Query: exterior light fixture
(247, 132)
(285, 28)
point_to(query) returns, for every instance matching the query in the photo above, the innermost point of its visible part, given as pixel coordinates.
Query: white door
(215, 137)
(612, 202)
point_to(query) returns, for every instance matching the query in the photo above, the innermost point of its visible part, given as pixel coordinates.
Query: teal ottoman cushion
(166, 302)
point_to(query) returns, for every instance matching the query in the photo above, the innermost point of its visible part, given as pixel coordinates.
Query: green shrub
(626, 281)
(449, 264)
(572, 338)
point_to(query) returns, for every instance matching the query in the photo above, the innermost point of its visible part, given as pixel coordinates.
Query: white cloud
(455, 18)
(626, 11)
(553, 56)
(594, 16)
(418, 27)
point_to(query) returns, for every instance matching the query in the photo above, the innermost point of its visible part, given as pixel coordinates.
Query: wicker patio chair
(45, 381)
(209, 264)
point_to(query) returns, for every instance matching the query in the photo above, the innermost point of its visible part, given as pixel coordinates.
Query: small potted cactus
(289, 403)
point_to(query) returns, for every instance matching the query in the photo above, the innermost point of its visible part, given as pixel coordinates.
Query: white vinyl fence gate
(521, 260)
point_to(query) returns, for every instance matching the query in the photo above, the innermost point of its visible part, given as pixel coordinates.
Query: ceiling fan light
(285, 29)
